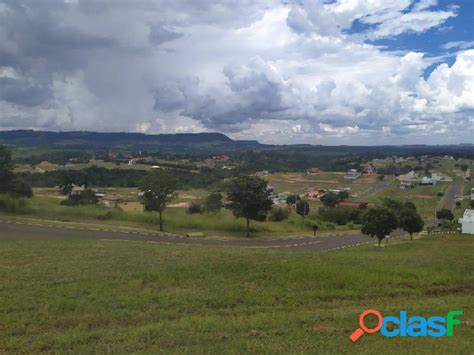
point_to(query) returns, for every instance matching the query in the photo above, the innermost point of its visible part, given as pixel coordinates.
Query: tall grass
(176, 219)
(14, 205)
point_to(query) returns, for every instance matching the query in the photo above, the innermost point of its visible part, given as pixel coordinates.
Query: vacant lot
(177, 220)
(111, 296)
(300, 182)
(424, 197)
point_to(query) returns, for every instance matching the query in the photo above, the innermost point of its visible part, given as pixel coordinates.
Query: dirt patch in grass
(189, 196)
(291, 178)
(180, 205)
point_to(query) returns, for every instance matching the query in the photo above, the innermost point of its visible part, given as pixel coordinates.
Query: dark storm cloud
(21, 92)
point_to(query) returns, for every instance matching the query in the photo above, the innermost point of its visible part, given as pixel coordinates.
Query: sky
(353, 72)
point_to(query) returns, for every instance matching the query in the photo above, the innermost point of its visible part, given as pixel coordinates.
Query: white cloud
(278, 73)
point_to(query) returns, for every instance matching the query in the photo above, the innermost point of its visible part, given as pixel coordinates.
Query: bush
(279, 214)
(292, 199)
(87, 197)
(213, 202)
(20, 188)
(106, 216)
(341, 216)
(445, 214)
(9, 204)
(194, 208)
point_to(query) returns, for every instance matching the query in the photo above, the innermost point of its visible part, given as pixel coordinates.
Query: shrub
(279, 214)
(292, 199)
(194, 208)
(213, 202)
(20, 188)
(445, 214)
(9, 204)
(105, 216)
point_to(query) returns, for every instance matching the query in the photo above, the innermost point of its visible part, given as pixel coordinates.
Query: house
(405, 185)
(467, 222)
(369, 169)
(313, 171)
(352, 174)
(129, 204)
(440, 177)
(427, 181)
(410, 176)
(77, 189)
(314, 193)
(280, 199)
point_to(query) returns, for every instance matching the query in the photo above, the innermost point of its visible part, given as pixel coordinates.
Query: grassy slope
(97, 296)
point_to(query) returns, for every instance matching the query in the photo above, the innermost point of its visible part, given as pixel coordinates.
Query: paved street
(13, 230)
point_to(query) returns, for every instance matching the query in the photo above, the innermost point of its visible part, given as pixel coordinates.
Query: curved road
(14, 230)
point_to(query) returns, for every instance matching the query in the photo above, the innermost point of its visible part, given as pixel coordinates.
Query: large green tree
(329, 200)
(302, 208)
(213, 202)
(445, 214)
(248, 197)
(411, 222)
(6, 169)
(379, 222)
(159, 189)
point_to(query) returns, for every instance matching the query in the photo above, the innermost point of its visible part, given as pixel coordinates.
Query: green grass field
(424, 197)
(115, 296)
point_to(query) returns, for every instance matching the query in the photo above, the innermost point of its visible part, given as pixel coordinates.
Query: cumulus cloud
(278, 72)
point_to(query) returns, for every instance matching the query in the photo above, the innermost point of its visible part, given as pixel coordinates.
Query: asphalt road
(13, 230)
(376, 188)
(454, 190)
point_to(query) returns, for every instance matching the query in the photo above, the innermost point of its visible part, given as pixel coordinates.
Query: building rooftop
(468, 216)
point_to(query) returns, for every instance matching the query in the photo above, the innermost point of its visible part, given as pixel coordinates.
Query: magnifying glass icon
(363, 329)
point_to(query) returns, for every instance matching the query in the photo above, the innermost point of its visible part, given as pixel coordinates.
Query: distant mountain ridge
(113, 139)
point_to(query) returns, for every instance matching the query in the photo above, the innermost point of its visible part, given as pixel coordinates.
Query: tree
(249, 198)
(6, 169)
(86, 197)
(445, 214)
(158, 190)
(194, 208)
(342, 195)
(213, 202)
(292, 199)
(67, 180)
(411, 222)
(20, 188)
(279, 214)
(302, 208)
(379, 222)
(409, 205)
(329, 199)
(393, 205)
